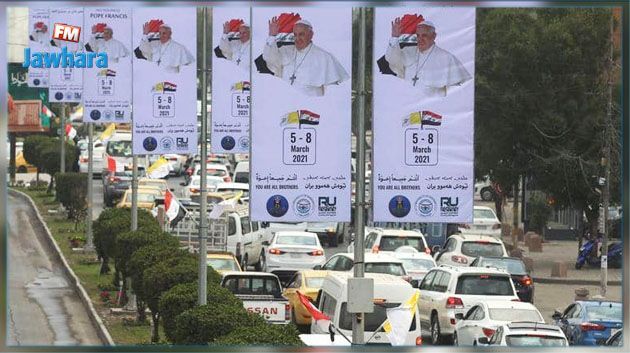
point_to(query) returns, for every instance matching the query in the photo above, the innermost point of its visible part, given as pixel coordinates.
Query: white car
(416, 263)
(526, 334)
(448, 290)
(241, 172)
(290, 251)
(485, 222)
(223, 187)
(97, 160)
(215, 170)
(483, 319)
(193, 188)
(177, 163)
(462, 249)
(374, 263)
(388, 240)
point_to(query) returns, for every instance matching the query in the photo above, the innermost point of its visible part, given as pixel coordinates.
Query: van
(244, 239)
(241, 172)
(389, 292)
(119, 147)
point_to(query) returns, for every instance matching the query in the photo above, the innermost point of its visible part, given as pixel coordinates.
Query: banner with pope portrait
(424, 69)
(301, 114)
(107, 91)
(231, 87)
(164, 80)
(39, 40)
(66, 83)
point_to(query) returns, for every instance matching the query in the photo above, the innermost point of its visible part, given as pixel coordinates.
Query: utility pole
(358, 322)
(203, 204)
(62, 134)
(134, 194)
(606, 164)
(89, 245)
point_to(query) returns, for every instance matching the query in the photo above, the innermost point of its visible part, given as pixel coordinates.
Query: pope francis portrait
(234, 45)
(425, 66)
(102, 41)
(168, 54)
(305, 66)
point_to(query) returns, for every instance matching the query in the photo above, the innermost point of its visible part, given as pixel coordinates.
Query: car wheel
(435, 330)
(245, 263)
(486, 194)
(264, 263)
(258, 265)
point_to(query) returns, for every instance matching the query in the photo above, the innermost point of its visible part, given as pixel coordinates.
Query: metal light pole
(89, 245)
(359, 222)
(62, 130)
(203, 214)
(134, 194)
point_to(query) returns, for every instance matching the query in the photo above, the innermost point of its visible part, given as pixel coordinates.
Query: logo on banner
(425, 206)
(181, 143)
(228, 143)
(300, 117)
(119, 114)
(95, 114)
(166, 143)
(448, 207)
(277, 206)
(66, 32)
(303, 205)
(423, 118)
(107, 114)
(149, 144)
(243, 142)
(241, 86)
(399, 206)
(327, 206)
(64, 59)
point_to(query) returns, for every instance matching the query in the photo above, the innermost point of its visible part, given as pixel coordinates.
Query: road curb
(103, 333)
(571, 281)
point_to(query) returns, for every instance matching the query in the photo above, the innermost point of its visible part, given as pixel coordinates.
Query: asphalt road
(43, 308)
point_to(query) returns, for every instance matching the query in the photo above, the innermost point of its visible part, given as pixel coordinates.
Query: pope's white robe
(236, 51)
(114, 48)
(39, 39)
(435, 68)
(316, 68)
(169, 56)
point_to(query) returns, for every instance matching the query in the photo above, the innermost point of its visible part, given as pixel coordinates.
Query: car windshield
(210, 182)
(214, 172)
(223, 264)
(391, 243)
(373, 320)
(604, 312)
(253, 285)
(481, 248)
(146, 197)
(512, 266)
(295, 240)
(417, 264)
(314, 282)
(535, 340)
(507, 314)
(483, 213)
(484, 285)
(119, 148)
(390, 268)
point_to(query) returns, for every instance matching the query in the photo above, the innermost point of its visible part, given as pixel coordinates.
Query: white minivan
(244, 238)
(389, 292)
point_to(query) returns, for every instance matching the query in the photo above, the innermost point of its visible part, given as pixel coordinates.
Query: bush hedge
(72, 193)
(263, 334)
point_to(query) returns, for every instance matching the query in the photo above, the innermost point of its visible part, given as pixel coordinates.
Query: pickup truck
(261, 293)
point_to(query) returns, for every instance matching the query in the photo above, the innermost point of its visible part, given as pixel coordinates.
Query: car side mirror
(265, 243)
(459, 316)
(317, 267)
(483, 340)
(556, 315)
(415, 283)
(331, 332)
(436, 249)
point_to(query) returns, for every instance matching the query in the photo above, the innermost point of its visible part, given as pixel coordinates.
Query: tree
(72, 193)
(32, 144)
(44, 153)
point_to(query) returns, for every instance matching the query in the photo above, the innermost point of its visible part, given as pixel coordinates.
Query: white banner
(230, 80)
(165, 80)
(39, 38)
(66, 84)
(107, 91)
(301, 114)
(424, 114)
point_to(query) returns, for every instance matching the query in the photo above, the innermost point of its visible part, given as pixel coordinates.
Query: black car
(115, 184)
(523, 282)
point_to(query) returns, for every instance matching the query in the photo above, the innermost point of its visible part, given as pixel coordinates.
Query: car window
(330, 265)
(426, 281)
(391, 243)
(417, 264)
(390, 268)
(479, 314)
(503, 314)
(292, 282)
(568, 312)
(231, 225)
(441, 284)
(328, 304)
(470, 315)
(512, 266)
(369, 241)
(604, 312)
(577, 312)
(483, 213)
(451, 245)
(497, 337)
(481, 248)
(296, 240)
(252, 285)
(223, 264)
(535, 341)
(484, 285)
(314, 282)
(341, 264)
(119, 148)
(245, 226)
(254, 226)
(436, 280)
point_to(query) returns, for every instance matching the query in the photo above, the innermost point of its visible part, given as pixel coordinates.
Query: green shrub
(539, 211)
(72, 193)
(263, 334)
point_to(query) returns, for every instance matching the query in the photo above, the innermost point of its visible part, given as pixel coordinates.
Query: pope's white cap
(304, 22)
(244, 24)
(166, 26)
(426, 23)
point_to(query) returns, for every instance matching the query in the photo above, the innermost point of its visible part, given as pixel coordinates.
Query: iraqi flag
(431, 118)
(174, 211)
(307, 117)
(113, 166)
(315, 313)
(71, 132)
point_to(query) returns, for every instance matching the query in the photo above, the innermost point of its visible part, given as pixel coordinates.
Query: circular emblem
(59, 96)
(277, 205)
(399, 206)
(149, 144)
(36, 82)
(303, 205)
(68, 95)
(107, 114)
(228, 143)
(243, 142)
(166, 143)
(425, 206)
(95, 114)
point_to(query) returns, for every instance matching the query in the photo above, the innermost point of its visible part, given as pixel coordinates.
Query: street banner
(423, 122)
(39, 39)
(107, 91)
(230, 80)
(66, 83)
(301, 114)
(164, 80)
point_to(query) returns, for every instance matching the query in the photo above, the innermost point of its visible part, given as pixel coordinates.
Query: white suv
(462, 249)
(447, 291)
(388, 240)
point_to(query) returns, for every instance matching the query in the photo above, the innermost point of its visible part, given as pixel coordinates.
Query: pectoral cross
(238, 61)
(415, 79)
(292, 78)
(159, 61)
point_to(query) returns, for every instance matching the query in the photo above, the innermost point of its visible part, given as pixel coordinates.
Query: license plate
(296, 255)
(481, 227)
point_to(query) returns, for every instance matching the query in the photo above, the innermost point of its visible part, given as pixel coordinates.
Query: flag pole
(203, 205)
